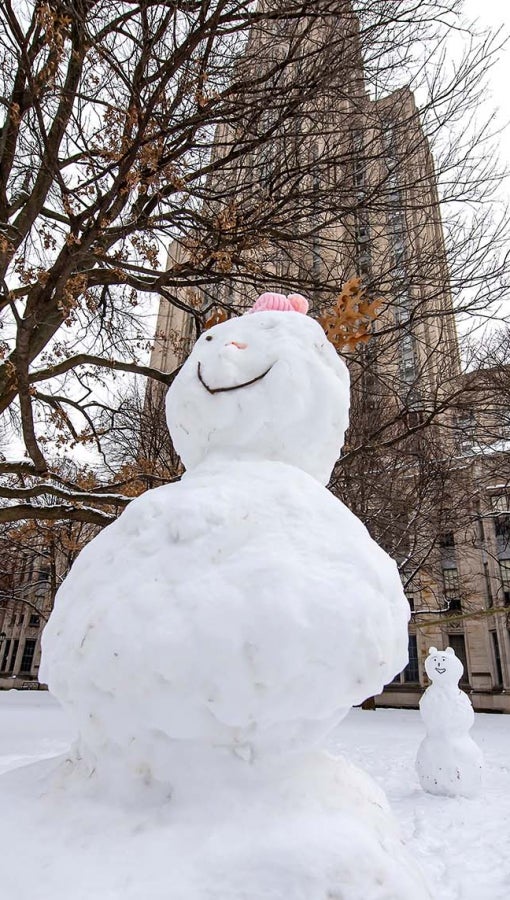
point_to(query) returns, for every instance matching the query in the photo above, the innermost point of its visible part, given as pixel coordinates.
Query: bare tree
(137, 441)
(271, 143)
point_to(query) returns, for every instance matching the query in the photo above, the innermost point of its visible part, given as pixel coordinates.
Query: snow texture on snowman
(212, 636)
(448, 761)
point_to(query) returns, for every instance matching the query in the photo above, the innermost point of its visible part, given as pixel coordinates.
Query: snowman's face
(443, 667)
(268, 386)
(237, 354)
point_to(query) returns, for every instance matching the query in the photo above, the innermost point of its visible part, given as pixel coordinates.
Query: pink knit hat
(280, 303)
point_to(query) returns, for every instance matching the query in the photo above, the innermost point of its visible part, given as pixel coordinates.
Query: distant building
(26, 600)
(34, 560)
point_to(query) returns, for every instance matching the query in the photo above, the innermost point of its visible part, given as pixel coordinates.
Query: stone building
(34, 560)
(26, 598)
(408, 379)
(462, 597)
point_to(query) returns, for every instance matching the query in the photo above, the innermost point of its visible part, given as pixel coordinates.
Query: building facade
(461, 598)
(26, 598)
(406, 383)
(34, 560)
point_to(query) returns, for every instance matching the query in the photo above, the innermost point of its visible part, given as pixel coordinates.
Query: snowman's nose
(238, 344)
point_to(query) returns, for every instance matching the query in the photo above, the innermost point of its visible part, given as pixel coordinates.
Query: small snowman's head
(267, 386)
(443, 666)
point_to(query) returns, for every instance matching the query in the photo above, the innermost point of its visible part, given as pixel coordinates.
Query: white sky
(496, 14)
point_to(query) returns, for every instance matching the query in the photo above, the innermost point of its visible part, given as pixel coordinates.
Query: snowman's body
(233, 636)
(448, 761)
(230, 619)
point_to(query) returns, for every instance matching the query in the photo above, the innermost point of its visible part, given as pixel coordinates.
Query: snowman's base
(450, 767)
(324, 833)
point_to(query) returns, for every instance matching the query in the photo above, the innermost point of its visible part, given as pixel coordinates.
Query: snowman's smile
(234, 387)
(441, 671)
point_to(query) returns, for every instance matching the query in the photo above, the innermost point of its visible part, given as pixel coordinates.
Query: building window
(447, 540)
(28, 655)
(497, 659)
(451, 588)
(12, 662)
(362, 233)
(488, 587)
(458, 644)
(5, 657)
(502, 526)
(364, 265)
(466, 430)
(407, 358)
(499, 503)
(504, 565)
(44, 573)
(399, 256)
(403, 308)
(414, 417)
(359, 173)
(357, 139)
(34, 621)
(411, 588)
(412, 671)
(388, 134)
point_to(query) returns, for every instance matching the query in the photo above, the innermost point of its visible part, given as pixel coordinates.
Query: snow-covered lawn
(462, 845)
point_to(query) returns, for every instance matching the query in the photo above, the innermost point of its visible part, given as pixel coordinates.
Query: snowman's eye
(209, 337)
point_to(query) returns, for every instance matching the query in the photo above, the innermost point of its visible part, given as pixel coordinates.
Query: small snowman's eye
(209, 337)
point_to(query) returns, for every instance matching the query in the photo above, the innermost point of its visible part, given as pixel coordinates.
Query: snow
(61, 844)
(208, 641)
(448, 761)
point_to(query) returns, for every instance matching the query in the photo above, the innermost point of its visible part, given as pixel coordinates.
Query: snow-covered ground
(463, 845)
(59, 845)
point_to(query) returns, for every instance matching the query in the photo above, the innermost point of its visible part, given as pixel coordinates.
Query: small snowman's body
(448, 761)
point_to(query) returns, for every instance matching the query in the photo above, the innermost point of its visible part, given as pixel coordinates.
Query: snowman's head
(443, 666)
(267, 386)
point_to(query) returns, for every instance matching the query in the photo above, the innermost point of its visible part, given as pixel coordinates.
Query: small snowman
(448, 760)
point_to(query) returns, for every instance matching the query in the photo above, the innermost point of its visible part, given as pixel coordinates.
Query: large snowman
(448, 760)
(222, 626)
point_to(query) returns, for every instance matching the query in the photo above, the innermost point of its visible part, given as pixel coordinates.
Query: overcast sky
(496, 14)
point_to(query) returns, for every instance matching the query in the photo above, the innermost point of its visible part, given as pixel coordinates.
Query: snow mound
(329, 835)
